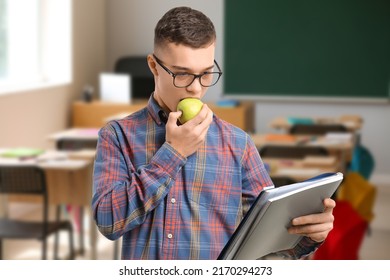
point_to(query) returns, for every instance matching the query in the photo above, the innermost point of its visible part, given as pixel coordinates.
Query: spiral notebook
(263, 230)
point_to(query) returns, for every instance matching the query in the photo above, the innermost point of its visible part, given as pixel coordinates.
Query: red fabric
(344, 241)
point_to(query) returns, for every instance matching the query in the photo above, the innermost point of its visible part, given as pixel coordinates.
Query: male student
(178, 191)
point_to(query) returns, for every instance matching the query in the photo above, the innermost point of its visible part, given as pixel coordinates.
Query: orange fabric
(360, 193)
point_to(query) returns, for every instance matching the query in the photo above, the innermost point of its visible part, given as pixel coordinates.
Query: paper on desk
(76, 133)
(298, 172)
(331, 138)
(63, 164)
(22, 153)
(88, 131)
(82, 154)
(339, 136)
(319, 161)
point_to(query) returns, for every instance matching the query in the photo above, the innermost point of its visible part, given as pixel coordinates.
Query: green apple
(190, 107)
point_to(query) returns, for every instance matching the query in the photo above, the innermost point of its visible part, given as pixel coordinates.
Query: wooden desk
(242, 116)
(302, 169)
(69, 181)
(96, 114)
(339, 147)
(75, 133)
(352, 122)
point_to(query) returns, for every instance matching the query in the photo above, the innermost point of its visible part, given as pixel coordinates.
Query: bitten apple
(190, 107)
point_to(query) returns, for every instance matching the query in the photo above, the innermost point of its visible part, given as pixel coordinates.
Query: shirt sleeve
(302, 250)
(254, 175)
(123, 196)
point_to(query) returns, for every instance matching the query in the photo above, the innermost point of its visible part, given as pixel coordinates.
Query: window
(35, 43)
(3, 42)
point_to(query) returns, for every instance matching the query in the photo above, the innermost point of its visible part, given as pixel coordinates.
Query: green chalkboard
(309, 48)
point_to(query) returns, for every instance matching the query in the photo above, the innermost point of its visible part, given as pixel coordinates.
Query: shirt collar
(156, 112)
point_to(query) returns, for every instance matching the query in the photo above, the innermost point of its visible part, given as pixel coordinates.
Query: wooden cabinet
(242, 116)
(96, 114)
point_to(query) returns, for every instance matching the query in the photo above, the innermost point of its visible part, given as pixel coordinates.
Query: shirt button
(173, 200)
(170, 235)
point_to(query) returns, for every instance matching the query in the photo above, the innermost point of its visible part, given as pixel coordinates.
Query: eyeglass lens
(206, 80)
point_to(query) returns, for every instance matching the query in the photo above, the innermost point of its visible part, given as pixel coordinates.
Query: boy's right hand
(188, 137)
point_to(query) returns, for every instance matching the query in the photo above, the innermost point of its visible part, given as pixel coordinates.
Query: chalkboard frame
(348, 45)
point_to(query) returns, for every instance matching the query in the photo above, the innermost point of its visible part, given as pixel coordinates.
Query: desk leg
(344, 162)
(82, 243)
(92, 235)
(3, 214)
(3, 206)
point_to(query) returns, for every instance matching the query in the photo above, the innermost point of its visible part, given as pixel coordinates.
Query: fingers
(204, 117)
(326, 216)
(200, 124)
(317, 232)
(173, 117)
(315, 226)
(329, 204)
(188, 137)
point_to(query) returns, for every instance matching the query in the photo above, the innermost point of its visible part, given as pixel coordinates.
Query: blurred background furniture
(68, 181)
(282, 181)
(317, 129)
(141, 78)
(362, 161)
(69, 144)
(30, 180)
(97, 113)
(287, 151)
(352, 122)
(75, 144)
(284, 171)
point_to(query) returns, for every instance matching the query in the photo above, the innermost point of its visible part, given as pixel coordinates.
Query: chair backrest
(142, 80)
(316, 129)
(362, 161)
(22, 180)
(68, 144)
(292, 152)
(25, 180)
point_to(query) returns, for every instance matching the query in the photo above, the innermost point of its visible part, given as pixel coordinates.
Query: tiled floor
(376, 245)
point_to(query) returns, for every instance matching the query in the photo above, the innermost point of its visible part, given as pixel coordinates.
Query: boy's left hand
(315, 226)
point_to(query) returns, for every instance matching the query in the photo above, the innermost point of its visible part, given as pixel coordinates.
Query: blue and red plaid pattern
(164, 205)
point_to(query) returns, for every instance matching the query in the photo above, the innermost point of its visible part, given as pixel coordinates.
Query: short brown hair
(186, 26)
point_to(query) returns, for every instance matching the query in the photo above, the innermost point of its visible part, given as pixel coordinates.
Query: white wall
(28, 117)
(130, 30)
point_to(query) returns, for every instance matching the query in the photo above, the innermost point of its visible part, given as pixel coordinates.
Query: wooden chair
(30, 180)
(142, 83)
(316, 129)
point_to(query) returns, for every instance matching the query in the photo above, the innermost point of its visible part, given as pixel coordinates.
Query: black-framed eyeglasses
(183, 80)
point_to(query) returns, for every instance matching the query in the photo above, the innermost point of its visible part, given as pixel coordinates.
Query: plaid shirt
(167, 206)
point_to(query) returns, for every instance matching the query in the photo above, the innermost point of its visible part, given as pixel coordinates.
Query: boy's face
(179, 59)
